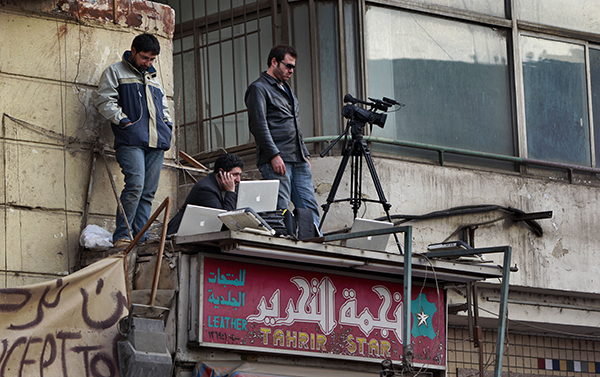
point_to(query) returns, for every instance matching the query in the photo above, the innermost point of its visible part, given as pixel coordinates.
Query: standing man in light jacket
(130, 97)
(273, 114)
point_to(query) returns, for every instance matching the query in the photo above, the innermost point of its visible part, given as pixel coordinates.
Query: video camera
(358, 114)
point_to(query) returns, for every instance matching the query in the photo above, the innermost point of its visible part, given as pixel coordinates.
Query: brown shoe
(122, 242)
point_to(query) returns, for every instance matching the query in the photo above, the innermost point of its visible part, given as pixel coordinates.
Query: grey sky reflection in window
(453, 78)
(556, 110)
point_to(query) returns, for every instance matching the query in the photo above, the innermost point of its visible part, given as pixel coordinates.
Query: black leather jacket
(274, 121)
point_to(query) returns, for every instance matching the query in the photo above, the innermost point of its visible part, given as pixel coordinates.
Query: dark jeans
(141, 167)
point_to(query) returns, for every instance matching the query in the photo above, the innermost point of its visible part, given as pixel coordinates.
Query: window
(452, 76)
(220, 47)
(490, 7)
(595, 80)
(214, 61)
(450, 61)
(556, 108)
(583, 15)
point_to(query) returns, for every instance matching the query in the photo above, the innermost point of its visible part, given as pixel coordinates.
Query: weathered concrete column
(52, 55)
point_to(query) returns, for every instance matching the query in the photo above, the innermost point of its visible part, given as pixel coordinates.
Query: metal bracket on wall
(502, 315)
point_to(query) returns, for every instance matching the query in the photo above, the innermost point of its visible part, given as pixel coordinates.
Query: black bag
(298, 225)
(305, 226)
(276, 220)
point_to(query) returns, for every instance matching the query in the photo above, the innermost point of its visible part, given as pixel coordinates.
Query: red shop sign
(258, 307)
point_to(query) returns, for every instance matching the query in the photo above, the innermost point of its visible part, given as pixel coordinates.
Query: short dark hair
(228, 161)
(146, 43)
(278, 52)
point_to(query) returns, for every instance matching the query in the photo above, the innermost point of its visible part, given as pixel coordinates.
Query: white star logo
(422, 317)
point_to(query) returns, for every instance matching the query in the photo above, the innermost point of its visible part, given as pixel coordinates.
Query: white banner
(64, 327)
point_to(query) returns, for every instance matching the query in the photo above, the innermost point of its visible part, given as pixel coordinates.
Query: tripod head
(358, 116)
(354, 113)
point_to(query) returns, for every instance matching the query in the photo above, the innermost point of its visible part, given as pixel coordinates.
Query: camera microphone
(348, 98)
(392, 101)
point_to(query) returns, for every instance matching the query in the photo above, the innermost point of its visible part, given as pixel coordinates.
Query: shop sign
(254, 307)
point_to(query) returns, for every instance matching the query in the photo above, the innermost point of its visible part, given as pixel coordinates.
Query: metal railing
(441, 151)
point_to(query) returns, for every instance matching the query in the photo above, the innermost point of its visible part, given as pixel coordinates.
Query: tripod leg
(386, 206)
(355, 188)
(336, 182)
(376, 182)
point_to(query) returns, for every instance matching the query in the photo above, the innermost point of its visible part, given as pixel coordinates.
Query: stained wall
(52, 55)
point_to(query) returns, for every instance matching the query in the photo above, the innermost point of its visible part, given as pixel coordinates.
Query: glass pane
(555, 101)
(255, 64)
(211, 37)
(581, 15)
(250, 26)
(490, 7)
(266, 40)
(188, 42)
(178, 87)
(176, 45)
(453, 78)
(214, 81)
(189, 87)
(595, 78)
(191, 139)
(216, 133)
(240, 73)
(329, 68)
(208, 7)
(230, 137)
(350, 26)
(227, 77)
(303, 77)
(223, 6)
(244, 135)
(185, 14)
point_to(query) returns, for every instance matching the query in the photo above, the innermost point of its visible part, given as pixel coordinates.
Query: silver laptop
(199, 220)
(261, 195)
(246, 220)
(377, 243)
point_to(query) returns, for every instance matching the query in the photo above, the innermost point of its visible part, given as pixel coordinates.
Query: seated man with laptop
(216, 190)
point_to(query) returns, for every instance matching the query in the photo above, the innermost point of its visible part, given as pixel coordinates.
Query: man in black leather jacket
(273, 114)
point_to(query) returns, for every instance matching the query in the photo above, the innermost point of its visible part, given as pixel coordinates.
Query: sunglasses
(288, 65)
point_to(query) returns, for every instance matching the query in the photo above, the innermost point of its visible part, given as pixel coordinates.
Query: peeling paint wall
(563, 258)
(52, 55)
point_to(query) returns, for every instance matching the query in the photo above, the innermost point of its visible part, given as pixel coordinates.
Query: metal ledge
(324, 254)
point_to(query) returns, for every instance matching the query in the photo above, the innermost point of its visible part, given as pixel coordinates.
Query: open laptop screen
(259, 195)
(199, 220)
(378, 243)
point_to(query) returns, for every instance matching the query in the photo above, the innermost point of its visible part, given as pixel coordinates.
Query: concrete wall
(52, 57)
(563, 258)
(556, 287)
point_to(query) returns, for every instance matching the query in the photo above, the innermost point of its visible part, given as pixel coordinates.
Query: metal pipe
(407, 351)
(503, 312)
(166, 203)
(161, 249)
(115, 12)
(464, 152)
(116, 192)
(547, 305)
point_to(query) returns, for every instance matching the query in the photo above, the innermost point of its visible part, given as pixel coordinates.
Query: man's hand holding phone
(226, 180)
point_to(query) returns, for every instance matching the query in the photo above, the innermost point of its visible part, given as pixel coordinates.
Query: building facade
(498, 126)
(499, 115)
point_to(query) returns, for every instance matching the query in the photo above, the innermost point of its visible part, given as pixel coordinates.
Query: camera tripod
(357, 148)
